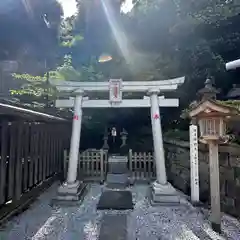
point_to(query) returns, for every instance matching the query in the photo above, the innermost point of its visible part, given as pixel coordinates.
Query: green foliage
(34, 85)
(38, 86)
(159, 39)
(231, 103)
(67, 39)
(177, 134)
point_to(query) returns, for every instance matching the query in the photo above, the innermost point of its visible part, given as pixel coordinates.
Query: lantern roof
(209, 91)
(209, 106)
(217, 108)
(212, 108)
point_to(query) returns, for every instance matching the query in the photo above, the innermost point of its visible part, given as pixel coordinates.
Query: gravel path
(42, 222)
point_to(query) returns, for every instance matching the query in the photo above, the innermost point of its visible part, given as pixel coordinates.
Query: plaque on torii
(115, 91)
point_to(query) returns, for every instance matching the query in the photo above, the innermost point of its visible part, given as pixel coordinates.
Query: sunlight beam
(118, 33)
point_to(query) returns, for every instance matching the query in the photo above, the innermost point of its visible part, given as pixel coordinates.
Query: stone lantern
(105, 139)
(124, 135)
(212, 116)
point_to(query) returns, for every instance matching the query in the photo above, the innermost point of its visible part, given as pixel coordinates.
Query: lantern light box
(212, 119)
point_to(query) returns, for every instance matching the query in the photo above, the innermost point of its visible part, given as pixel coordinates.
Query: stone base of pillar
(70, 194)
(164, 194)
(197, 204)
(216, 227)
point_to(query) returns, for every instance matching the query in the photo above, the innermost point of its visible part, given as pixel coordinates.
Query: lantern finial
(209, 91)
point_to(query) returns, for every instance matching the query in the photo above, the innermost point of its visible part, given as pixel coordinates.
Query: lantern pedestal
(164, 194)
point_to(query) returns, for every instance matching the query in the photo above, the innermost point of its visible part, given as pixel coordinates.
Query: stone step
(117, 178)
(113, 186)
(118, 159)
(117, 168)
(118, 164)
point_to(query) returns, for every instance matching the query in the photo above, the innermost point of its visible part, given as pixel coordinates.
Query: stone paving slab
(113, 227)
(43, 222)
(115, 200)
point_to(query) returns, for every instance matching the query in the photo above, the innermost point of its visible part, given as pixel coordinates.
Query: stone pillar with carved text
(162, 191)
(194, 171)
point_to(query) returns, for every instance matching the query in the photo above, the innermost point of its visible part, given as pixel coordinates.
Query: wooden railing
(31, 153)
(92, 165)
(141, 166)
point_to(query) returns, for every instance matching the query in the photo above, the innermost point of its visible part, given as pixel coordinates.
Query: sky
(70, 8)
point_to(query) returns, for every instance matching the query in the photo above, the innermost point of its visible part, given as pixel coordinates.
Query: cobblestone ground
(43, 222)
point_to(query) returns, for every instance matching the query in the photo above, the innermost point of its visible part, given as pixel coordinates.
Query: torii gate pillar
(162, 191)
(70, 189)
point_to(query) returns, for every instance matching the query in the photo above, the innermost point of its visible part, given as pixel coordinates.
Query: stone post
(163, 192)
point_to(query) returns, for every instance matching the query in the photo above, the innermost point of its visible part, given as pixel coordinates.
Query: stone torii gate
(162, 190)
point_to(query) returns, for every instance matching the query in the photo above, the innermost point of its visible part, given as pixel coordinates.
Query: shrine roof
(234, 92)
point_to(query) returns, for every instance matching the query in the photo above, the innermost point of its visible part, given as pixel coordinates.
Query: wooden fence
(31, 153)
(93, 165)
(141, 166)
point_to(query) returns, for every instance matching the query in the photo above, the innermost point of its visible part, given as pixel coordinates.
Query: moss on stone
(230, 103)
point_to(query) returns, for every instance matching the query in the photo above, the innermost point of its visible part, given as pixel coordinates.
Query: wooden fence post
(65, 163)
(18, 163)
(145, 173)
(61, 156)
(150, 162)
(102, 165)
(105, 162)
(26, 157)
(45, 143)
(36, 157)
(11, 160)
(130, 165)
(40, 154)
(87, 155)
(3, 163)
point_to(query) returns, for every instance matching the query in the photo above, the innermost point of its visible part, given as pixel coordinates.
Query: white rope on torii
(162, 190)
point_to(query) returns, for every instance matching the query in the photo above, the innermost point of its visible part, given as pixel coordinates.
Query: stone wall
(178, 167)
